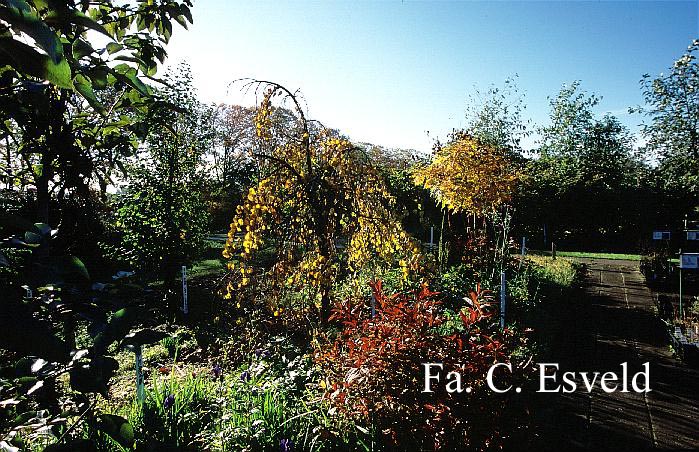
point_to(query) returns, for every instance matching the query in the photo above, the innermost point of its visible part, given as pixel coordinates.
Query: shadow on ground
(611, 321)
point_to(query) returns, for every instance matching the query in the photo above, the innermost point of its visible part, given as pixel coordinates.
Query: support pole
(502, 300)
(185, 302)
(681, 313)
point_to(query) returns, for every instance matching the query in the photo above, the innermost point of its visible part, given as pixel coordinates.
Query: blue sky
(387, 72)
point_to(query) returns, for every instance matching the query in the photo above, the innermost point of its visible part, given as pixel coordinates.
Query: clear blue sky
(386, 72)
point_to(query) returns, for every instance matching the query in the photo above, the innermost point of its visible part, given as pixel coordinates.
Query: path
(613, 323)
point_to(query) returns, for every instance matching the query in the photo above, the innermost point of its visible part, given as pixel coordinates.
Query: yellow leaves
(321, 190)
(466, 175)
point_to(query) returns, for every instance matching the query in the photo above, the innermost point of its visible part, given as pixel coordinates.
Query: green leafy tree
(161, 216)
(495, 116)
(585, 186)
(76, 128)
(672, 130)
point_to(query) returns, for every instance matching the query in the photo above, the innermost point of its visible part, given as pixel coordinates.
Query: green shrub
(655, 265)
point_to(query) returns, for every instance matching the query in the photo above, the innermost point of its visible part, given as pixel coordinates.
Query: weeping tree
(317, 191)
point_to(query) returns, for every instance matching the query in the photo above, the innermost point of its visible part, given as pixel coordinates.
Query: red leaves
(480, 301)
(378, 362)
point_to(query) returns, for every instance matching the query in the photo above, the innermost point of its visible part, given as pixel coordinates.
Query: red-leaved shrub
(375, 375)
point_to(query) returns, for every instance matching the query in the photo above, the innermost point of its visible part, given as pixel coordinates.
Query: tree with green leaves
(584, 186)
(672, 132)
(161, 216)
(72, 107)
(68, 96)
(495, 116)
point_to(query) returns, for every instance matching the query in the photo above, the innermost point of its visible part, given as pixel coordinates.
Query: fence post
(373, 305)
(431, 238)
(502, 300)
(185, 302)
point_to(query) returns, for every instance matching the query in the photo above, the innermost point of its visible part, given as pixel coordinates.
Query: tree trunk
(42, 189)
(9, 162)
(325, 305)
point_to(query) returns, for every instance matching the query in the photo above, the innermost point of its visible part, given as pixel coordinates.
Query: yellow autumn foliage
(469, 176)
(321, 205)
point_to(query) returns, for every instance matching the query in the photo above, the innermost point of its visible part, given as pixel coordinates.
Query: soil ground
(613, 322)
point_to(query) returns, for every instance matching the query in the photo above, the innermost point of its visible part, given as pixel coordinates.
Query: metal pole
(680, 268)
(373, 306)
(431, 238)
(681, 314)
(524, 246)
(502, 300)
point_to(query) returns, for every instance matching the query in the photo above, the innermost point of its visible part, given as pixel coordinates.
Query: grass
(207, 267)
(560, 272)
(588, 255)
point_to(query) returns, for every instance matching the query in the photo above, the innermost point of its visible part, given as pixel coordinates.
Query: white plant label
(140, 379)
(185, 303)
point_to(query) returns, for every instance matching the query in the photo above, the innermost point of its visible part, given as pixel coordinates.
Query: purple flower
(217, 372)
(245, 376)
(286, 445)
(261, 353)
(169, 401)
